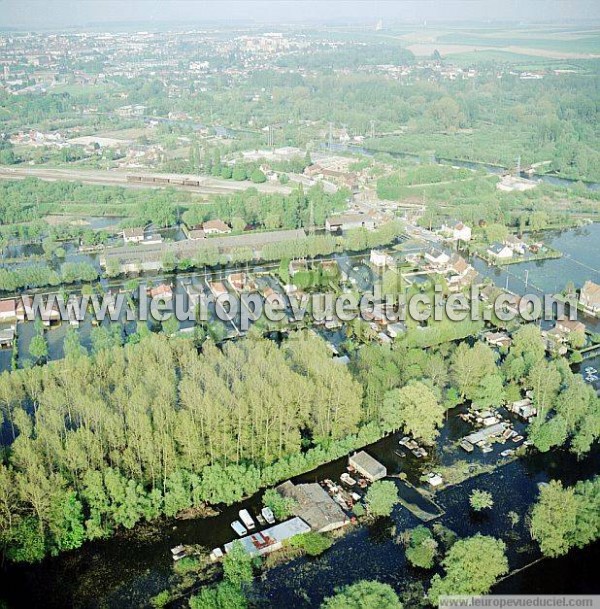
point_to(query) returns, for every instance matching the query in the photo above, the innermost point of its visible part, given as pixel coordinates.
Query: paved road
(112, 177)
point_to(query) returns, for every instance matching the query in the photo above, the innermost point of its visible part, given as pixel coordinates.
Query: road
(113, 177)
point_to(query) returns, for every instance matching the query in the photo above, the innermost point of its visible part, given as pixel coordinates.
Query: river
(551, 179)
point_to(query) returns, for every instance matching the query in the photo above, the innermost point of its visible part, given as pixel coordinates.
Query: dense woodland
(94, 443)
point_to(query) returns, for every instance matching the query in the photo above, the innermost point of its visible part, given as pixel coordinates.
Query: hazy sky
(64, 13)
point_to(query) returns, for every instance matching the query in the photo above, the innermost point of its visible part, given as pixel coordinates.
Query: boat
(238, 527)
(590, 370)
(179, 552)
(466, 445)
(348, 479)
(517, 438)
(267, 514)
(356, 497)
(507, 453)
(247, 519)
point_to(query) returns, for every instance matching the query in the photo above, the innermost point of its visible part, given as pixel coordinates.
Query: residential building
(349, 221)
(314, 506)
(380, 259)
(570, 325)
(367, 466)
(518, 246)
(24, 308)
(271, 539)
(216, 227)
(589, 297)
(437, 258)
(500, 251)
(162, 290)
(462, 232)
(8, 310)
(133, 235)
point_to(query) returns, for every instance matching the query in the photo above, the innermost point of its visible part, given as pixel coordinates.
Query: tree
(170, 326)
(489, 392)
(422, 547)
(222, 596)
(258, 177)
(415, 409)
(472, 565)
(470, 366)
(38, 347)
(72, 344)
(312, 543)
(381, 498)
(554, 518)
(282, 507)
(239, 173)
(481, 500)
(364, 595)
(237, 565)
(577, 340)
(66, 522)
(495, 233)
(527, 349)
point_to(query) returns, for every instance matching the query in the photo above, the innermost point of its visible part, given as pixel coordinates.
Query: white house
(516, 245)
(380, 258)
(589, 297)
(437, 257)
(462, 232)
(499, 251)
(216, 227)
(133, 235)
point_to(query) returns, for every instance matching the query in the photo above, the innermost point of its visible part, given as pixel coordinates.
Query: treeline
(39, 275)
(270, 211)
(312, 245)
(27, 200)
(132, 433)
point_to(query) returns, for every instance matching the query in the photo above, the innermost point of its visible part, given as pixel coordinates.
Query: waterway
(553, 180)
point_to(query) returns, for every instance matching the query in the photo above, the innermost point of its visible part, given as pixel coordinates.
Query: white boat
(591, 370)
(267, 514)
(177, 550)
(247, 519)
(238, 527)
(348, 479)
